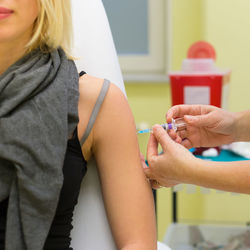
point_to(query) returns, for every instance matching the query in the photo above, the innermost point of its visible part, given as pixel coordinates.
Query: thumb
(198, 120)
(162, 137)
(148, 173)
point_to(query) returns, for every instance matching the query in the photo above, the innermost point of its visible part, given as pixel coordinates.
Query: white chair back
(96, 55)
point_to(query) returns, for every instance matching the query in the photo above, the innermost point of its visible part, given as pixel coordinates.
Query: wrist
(236, 125)
(199, 172)
(190, 173)
(241, 126)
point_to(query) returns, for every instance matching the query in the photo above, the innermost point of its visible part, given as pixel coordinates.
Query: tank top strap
(95, 111)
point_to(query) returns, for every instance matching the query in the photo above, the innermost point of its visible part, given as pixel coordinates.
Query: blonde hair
(53, 26)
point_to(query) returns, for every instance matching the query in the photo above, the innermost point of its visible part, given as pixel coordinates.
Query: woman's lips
(4, 12)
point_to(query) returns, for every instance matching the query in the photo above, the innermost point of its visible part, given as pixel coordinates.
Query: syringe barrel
(167, 126)
(179, 124)
(176, 124)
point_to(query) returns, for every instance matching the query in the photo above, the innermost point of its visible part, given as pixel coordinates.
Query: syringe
(176, 125)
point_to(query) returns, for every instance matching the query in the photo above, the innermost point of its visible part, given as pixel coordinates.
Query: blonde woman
(51, 122)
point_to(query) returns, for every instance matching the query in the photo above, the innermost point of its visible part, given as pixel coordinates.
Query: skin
(206, 126)
(16, 30)
(127, 195)
(112, 141)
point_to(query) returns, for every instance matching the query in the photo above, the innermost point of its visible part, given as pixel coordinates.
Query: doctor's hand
(207, 126)
(173, 166)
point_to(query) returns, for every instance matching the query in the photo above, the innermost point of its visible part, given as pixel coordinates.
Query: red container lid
(201, 49)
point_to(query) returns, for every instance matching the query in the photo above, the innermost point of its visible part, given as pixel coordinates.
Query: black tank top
(74, 169)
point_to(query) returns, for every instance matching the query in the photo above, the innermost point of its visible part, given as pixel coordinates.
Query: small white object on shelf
(240, 148)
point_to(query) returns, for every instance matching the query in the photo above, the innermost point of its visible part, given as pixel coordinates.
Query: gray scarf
(38, 112)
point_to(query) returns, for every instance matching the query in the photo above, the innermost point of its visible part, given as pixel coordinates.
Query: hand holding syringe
(176, 124)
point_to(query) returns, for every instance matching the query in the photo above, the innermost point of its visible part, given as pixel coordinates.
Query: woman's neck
(9, 54)
(12, 50)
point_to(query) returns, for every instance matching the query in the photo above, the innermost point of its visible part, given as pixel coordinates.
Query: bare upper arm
(113, 141)
(127, 195)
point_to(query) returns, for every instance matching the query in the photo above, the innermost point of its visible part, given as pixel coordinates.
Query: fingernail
(157, 126)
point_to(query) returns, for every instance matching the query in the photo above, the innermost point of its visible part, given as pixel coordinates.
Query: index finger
(152, 148)
(181, 110)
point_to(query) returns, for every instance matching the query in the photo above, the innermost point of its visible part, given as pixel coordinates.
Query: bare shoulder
(89, 88)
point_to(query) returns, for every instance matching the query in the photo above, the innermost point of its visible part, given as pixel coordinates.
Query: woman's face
(16, 20)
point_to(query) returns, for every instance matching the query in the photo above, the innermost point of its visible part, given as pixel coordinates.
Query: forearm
(227, 176)
(242, 126)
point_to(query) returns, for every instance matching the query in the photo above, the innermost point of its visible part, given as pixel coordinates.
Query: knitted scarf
(38, 112)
